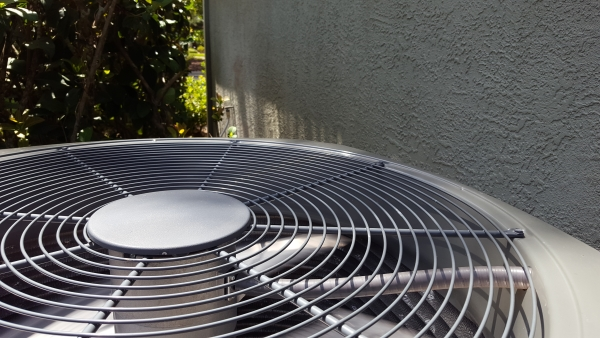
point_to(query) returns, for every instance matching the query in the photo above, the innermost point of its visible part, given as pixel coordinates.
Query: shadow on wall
(266, 115)
(290, 99)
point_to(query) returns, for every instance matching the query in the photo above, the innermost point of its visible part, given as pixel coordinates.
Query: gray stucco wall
(503, 96)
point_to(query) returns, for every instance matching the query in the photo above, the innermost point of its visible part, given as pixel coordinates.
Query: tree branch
(168, 85)
(89, 80)
(155, 98)
(135, 68)
(3, 66)
(31, 64)
(156, 122)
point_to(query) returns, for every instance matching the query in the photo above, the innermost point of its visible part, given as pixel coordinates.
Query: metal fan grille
(396, 224)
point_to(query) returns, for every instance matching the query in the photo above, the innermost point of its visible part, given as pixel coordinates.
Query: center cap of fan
(168, 222)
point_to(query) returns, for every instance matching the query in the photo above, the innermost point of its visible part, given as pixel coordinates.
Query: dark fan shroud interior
(335, 244)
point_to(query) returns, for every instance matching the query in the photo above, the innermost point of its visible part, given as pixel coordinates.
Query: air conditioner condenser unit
(256, 238)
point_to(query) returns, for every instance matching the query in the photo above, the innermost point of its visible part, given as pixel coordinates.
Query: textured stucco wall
(503, 96)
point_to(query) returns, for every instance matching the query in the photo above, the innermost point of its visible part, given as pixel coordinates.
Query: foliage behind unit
(74, 70)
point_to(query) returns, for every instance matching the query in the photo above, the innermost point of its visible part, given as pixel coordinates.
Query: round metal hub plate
(168, 222)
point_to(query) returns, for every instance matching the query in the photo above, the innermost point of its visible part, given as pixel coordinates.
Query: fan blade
(56, 311)
(377, 330)
(310, 329)
(295, 247)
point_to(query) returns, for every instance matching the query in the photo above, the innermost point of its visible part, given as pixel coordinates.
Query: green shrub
(95, 70)
(194, 98)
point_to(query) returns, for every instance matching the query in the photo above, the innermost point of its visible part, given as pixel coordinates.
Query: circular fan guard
(393, 239)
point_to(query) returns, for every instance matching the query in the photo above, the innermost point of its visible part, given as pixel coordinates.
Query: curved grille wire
(396, 224)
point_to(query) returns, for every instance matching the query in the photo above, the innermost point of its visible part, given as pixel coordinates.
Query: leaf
(232, 132)
(135, 22)
(143, 108)
(169, 96)
(17, 66)
(51, 104)
(85, 135)
(157, 65)
(172, 131)
(32, 121)
(163, 3)
(45, 43)
(173, 65)
(55, 81)
(73, 66)
(156, 4)
(72, 98)
(8, 126)
(24, 13)
(9, 2)
(46, 3)
(164, 55)
(10, 104)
